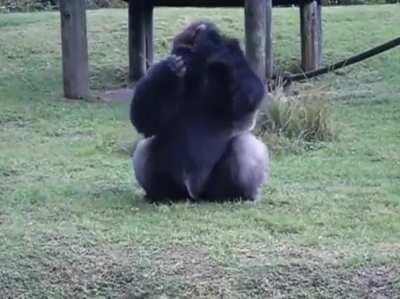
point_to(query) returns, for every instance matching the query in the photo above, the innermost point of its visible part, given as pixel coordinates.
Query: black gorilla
(196, 109)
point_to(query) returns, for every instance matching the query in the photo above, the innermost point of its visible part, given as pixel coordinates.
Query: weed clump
(295, 121)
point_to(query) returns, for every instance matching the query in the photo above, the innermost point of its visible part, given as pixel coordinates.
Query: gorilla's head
(199, 37)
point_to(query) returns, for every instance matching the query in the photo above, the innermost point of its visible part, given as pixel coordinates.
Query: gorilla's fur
(196, 109)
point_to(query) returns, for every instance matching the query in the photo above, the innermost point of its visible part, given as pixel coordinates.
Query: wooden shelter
(258, 30)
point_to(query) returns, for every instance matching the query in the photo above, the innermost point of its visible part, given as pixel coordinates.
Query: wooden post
(149, 34)
(74, 48)
(319, 19)
(137, 40)
(309, 24)
(269, 59)
(255, 23)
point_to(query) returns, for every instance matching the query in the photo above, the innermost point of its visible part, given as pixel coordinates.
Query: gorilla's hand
(177, 65)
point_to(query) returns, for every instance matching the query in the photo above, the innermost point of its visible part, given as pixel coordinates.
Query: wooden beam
(74, 49)
(269, 59)
(214, 3)
(310, 41)
(149, 35)
(137, 40)
(255, 23)
(196, 3)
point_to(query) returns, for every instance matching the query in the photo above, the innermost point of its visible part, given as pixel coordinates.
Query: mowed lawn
(73, 222)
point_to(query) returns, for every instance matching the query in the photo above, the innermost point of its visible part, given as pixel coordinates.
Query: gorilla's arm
(158, 96)
(231, 76)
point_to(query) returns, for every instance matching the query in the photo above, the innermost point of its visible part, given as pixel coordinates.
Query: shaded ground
(117, 95)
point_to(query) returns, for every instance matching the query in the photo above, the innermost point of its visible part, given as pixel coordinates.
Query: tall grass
(295, 120)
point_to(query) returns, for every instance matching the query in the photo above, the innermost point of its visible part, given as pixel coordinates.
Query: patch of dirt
(117, 95)
(7, 125)
(62, 268)
(307, 272)
(201, 276)
(71, 268)
(264, 254)
(312, 280)
(8, 171)
(12, 120)
(379, 282)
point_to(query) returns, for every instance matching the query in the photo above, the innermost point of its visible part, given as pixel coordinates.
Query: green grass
(73, 222)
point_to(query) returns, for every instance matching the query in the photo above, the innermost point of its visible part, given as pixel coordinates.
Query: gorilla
(196, 109)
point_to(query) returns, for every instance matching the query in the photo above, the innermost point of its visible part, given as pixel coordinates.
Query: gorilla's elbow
(256, 94)
(259, 92)
(143, 123)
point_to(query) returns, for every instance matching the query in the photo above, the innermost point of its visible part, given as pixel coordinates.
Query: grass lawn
(73, 222)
